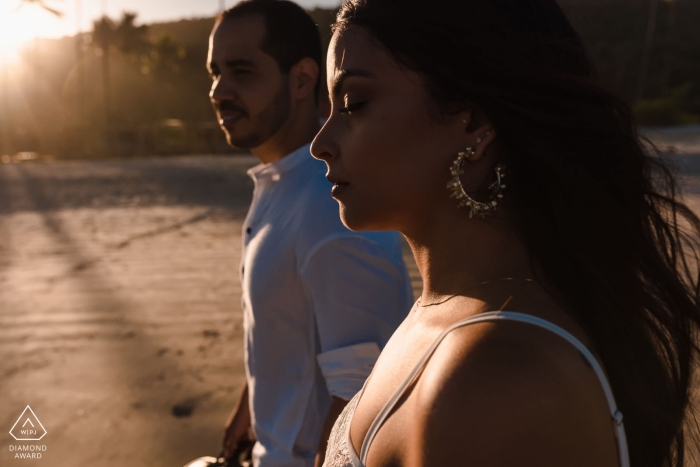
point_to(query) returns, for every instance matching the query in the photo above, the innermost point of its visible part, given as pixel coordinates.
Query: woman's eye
(351, 107)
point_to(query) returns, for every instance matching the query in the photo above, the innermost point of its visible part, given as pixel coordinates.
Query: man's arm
(337, 407)
(238, 425)
(359, 291)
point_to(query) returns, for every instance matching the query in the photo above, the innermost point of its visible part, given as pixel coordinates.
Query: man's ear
(304, 77)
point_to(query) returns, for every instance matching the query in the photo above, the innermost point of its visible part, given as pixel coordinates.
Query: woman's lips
(338, 188)
(338, 185)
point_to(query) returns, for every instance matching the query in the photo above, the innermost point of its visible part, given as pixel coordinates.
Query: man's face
(250, 95)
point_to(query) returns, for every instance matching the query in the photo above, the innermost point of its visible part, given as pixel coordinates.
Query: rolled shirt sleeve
(360, 293)
(346, 369)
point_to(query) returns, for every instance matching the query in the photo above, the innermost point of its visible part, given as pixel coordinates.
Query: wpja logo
(28, 428)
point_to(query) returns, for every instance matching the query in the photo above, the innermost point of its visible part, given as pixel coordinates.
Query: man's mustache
(228, 106)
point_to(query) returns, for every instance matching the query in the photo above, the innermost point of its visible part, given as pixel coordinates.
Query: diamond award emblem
(28, 427)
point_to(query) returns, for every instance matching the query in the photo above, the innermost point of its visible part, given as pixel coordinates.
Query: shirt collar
(274, 170)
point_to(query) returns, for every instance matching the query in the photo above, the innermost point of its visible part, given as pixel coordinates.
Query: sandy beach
(120, 317)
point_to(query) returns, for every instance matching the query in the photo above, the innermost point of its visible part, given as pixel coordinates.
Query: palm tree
(648, 40)
(131, 40)
(103, 37)
(79, 57)
(671, 26)
(43, 5)
(166, 57)
(125, 37)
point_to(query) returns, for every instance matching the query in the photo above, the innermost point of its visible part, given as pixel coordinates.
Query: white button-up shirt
(319, 302)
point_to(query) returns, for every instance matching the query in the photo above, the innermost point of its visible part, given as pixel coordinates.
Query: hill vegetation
(127, 90)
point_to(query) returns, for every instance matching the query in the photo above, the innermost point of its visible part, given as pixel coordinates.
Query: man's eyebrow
(344, 74)
(239, 62)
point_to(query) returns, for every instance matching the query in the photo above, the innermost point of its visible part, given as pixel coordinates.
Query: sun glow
(21, 22)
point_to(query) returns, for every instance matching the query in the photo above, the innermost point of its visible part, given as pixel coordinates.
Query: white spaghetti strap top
(340, 447)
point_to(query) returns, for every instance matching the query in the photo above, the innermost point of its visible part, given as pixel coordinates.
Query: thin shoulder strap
(615, 414)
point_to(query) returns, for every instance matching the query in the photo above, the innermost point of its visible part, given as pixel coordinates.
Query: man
(319, 301)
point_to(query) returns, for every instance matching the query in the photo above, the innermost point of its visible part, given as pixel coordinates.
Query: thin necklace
(418, 302)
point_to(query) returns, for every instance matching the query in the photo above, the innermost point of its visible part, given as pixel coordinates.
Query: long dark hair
(598, 210)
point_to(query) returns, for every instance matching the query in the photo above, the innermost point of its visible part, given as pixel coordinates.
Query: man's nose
(220, 91)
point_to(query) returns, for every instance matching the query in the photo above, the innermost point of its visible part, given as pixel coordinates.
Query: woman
(475, 128)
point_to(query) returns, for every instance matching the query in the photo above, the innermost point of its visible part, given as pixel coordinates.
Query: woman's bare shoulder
(510, 394)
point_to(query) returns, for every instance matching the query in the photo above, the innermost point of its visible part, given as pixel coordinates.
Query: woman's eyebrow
(344, 74)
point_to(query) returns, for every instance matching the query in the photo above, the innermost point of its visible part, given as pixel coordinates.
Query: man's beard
(267, 122)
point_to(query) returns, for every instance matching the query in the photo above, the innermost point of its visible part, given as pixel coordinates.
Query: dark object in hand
(242, 457)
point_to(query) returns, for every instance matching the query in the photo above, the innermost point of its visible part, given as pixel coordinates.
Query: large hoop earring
(476, 208)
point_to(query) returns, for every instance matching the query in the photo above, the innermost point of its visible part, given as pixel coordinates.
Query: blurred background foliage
(647, 52)
(126, 89)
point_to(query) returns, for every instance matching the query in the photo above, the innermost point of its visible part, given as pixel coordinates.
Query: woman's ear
(478, 130)
(480, 139)
(465, 118)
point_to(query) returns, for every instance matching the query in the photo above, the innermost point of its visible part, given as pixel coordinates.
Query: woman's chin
(349, 220)
(357, 220)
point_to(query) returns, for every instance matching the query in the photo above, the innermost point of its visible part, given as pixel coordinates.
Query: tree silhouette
(646, 52)
(166, 56)
(103, 36)
(130, 39)
(43, 5)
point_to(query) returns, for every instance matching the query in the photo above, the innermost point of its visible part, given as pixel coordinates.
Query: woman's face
(387, 153)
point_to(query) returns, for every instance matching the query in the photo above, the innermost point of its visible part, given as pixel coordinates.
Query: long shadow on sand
(53, 187)
(210, 181)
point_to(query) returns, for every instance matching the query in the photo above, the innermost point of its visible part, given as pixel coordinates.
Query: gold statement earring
(476, 208)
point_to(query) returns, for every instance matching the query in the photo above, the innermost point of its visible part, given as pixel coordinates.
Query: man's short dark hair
(290, 33)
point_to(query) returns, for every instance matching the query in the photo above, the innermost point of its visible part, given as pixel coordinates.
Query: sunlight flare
(21, 22)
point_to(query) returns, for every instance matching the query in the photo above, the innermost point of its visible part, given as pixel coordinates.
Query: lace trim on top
(340, 452)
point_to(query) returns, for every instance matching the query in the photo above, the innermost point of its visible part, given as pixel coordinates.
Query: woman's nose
(319, 153)
(322, 147)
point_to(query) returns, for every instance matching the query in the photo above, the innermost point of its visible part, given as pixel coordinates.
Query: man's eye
(351, 107)
(242, 72)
